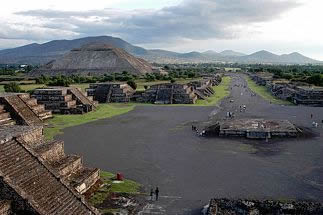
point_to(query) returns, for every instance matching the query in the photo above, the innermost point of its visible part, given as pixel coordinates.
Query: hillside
(44, 53)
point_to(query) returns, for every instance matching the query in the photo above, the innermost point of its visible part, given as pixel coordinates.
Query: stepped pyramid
(36, 177)
(21, 109)
(95, 59)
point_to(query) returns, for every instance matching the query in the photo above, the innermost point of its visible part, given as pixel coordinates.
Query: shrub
(13, 88)
(132, 84)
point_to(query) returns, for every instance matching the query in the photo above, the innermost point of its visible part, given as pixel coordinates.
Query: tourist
(311, 116)
(151, 194)
(157, 193)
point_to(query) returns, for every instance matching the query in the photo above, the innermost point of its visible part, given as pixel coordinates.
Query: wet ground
(155, 145)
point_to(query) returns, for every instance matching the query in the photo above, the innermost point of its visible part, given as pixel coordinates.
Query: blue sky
(279, 26)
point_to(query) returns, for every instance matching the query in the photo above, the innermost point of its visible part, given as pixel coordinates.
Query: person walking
(157, 193)
(151, 194)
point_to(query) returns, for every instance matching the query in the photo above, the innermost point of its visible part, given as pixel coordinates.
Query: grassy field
(263, 92)
(1, 88)
(127, 187)
(221, 92)
(59, 122)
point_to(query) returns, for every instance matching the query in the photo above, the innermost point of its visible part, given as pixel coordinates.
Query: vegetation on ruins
(13, 87)
(264, 93)
(132, 84)
(222, 91)
(311, 74)
(59, 122)
(127, 187)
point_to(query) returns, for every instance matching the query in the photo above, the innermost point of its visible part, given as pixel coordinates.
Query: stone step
(51, 151)
(68, 165)
(5, 207)
(31, 102)
(2, 108)
(4, 116)
(45, 115)
(84, 179)
(7, 122)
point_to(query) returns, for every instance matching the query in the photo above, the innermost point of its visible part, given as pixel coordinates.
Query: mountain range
(44, 53)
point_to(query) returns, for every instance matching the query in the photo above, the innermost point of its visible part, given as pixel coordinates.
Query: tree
(172, 80)
(132, 84)
(13, 87)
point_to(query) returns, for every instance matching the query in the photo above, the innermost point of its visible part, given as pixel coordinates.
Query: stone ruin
(203, 88)
(19, 108)
(64, 100)
(37, 177)
(253, 128)
(255, 207)
(168, 94)
(110, 92)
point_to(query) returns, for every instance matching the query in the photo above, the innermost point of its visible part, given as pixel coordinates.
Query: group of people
(243, 108)
(201, 134)
(154, 192)
(315, 124)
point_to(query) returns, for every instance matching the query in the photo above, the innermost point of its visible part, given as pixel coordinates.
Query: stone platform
(254, 128)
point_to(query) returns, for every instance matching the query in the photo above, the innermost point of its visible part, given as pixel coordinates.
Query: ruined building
(169, 94)
(36, 177)
(95, 59)
(19, 108)
(255, 207)
(110, 92)
(64, 100)
(202, 88)
(253, 128)
(308, 95)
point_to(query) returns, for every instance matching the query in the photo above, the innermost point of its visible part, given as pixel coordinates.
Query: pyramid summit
(95, 59)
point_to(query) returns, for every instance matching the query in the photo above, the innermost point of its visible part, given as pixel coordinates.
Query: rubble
(255, 207)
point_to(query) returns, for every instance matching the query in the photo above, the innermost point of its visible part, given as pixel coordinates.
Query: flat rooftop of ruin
(310, 88)
(258, 125)
(10, 94)
(8, 132)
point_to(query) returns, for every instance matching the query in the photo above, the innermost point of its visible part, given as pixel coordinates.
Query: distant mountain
(268, 57)
(44, 53)
(231, 53)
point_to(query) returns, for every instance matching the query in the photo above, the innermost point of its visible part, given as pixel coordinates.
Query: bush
(172, 80)
(132, 84)
(13, 88)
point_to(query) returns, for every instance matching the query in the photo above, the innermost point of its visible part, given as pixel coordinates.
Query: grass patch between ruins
(126, 187)
(59, 122)
(1, 88)
(221, 91)
(264, 93)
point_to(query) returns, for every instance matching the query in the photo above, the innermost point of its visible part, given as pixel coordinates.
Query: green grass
(1, 88)
(264, 93)
(221, 92)
(59, 122)
(127, 187)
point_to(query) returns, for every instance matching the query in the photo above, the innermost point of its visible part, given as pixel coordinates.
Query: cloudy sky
(279, 26)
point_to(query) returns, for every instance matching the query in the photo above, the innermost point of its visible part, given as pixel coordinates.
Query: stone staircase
(5, 118)
(26, 177)
(5, 207)
(38, 109)
(19, 110)
(82, 99)
(68, 167)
